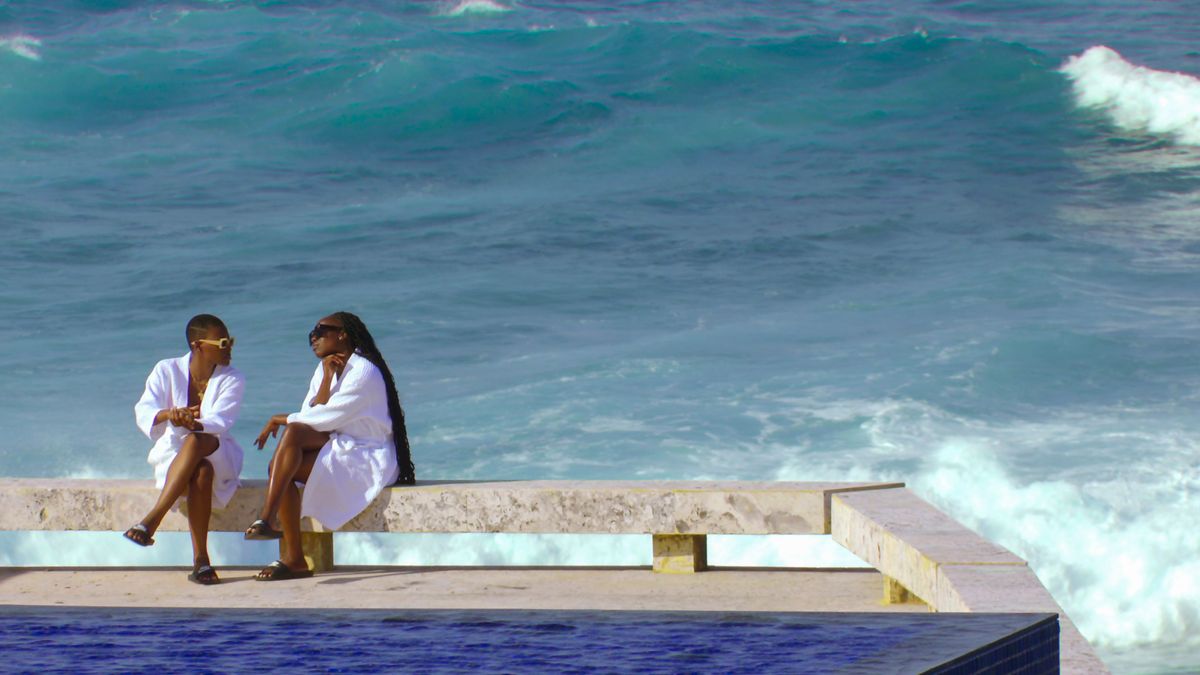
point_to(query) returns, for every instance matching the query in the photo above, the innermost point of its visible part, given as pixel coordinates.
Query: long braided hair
(364, 346)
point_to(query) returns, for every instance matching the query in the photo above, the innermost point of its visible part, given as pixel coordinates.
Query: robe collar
(179, 384)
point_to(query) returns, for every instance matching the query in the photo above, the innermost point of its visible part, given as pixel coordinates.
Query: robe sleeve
(314, 384)
(153, 399)
(357, 392)
(219, 417)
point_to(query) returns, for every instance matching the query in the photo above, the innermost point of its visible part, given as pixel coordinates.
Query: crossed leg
(191, 474)
(180, 476)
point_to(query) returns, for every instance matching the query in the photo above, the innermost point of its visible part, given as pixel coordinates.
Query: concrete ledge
(948, 566)
(107, 505)
(562, 507)
(681, 512)
(908, 539)
(607, 507)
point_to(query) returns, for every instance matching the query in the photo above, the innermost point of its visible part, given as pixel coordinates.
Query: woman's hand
(184, 417)
(271, 429)
(333, 365)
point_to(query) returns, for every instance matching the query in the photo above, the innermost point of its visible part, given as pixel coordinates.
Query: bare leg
(285, 464)
(289, 515)
(195, 448)
(199, 501)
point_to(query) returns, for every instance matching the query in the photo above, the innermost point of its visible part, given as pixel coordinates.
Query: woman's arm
(362, 385)
(152, 409)
(331, 366)
(270, 429)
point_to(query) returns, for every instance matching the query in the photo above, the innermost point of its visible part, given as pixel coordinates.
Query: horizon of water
(948, 244)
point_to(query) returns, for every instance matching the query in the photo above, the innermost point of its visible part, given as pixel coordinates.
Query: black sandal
(279, 571)
(204, 575)
(139, 535)
(261, 530)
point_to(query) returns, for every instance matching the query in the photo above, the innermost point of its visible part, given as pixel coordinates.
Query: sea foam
(1135, 97)
(473, 7)
(23, 46)
(1113, 549)
(1112, 553)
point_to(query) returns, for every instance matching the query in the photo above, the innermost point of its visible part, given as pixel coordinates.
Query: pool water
(450, 641)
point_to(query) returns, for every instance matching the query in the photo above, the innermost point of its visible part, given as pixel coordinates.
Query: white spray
(1137, 98)
(1115, 547)
(465, 7)
(23, 46)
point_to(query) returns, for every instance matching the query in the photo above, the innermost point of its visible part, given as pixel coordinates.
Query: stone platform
(566, 588)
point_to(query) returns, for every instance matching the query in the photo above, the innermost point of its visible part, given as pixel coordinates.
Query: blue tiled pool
(440, 641)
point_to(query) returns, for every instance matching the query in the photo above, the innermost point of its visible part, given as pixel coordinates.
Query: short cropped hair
(199, 325)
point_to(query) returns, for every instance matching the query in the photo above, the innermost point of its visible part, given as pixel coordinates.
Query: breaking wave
(474, 7)
(23, 46)
(1111, 547)
(1137, 98)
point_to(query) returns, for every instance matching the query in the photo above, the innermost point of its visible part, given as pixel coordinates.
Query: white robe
(360, 458)
(167, 387)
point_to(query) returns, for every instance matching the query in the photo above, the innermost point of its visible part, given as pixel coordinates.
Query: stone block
(680, 553)
(894, 592)
(318, 550)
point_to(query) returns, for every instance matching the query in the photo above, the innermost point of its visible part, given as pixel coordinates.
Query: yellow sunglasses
(223, 343)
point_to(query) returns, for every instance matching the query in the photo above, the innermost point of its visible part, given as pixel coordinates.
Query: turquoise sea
(955, 244)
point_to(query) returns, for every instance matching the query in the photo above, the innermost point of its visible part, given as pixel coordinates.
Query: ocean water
(949, 243)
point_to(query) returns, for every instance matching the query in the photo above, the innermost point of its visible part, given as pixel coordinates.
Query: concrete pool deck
(573, 588)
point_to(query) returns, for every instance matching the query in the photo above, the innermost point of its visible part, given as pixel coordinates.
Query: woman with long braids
(346, 444)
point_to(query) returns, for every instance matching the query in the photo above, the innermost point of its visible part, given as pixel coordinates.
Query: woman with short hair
(188, 408)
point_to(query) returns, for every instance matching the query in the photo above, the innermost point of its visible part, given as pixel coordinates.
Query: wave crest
(473, 7)
(1135, 97)
(23, 46)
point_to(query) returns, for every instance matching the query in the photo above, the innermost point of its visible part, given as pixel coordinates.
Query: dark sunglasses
(320, 330)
